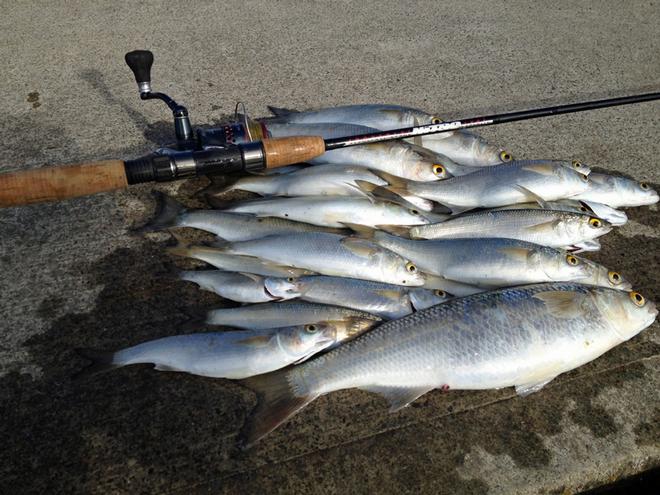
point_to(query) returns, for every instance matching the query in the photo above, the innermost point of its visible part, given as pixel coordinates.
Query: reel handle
(140, 62)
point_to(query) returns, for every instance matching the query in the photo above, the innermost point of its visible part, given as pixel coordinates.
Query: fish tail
(276, 402)
(101, 361)
(217, 188)
(167, 214)
(182, 247)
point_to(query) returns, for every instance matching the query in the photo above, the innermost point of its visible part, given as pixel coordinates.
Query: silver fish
(331, 254)
(487, 262)
(240, 287)
(332, 211)
(463, 147)
(500, 185)
(394, 157)
(322, 180)
(618, 192)
(233, 263)
(270, 315)
(228, 226)
(545, 227)
(235, 354)
(603, 277)
(385, 300)
(614, 217)
(521, 336)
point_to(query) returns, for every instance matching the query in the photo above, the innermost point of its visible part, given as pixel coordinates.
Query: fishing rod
(228, 149)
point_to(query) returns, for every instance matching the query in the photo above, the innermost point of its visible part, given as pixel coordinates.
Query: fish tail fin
(168, 212)
(101, 361)
(219, 186)
(276, 402)
(182, 247)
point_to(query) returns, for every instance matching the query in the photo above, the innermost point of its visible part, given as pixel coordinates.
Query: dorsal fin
(281, 112)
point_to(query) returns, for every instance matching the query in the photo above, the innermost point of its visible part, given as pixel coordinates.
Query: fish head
(577, 166)
(488, 154)
(404, 271)
(284, 288)
(615, 217)
(425, 298)
(562, 266)
(572, 182)
(591, 227)
(304, 340)
(634, 193)
(603, 277)
(627, 313)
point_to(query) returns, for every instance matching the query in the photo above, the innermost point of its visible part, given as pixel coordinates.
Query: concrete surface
(73, 277)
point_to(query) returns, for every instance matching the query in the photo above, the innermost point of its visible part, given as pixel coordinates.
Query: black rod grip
(140, 62)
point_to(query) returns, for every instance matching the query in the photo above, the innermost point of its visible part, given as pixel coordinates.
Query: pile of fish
(438, 263)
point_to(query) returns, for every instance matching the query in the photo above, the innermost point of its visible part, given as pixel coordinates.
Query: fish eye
(644, 185)
(414, 212)
(614, 277)
(440, 293)
(583, 208)
(505, 156)
(584, 177)
(572, 260)
(435, 120)
(638, 299)
(411, 268)
(438, 170)
(311, 328)
(576, 164)
(595, 222)
(290, 279)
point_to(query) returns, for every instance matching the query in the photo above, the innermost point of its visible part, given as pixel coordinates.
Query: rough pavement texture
(73, 277)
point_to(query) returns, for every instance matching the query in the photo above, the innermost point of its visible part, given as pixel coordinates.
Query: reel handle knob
(140, 62)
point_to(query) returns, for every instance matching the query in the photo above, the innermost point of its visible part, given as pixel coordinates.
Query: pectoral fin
(359, 247)
(255, 341)
(540, 168)
(544, 227)
(519, 254)
(389, 293)
(398, 397)
(532, 196)
(561, 303)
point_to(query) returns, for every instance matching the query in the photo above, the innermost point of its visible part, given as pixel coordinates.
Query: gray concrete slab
(73, 277)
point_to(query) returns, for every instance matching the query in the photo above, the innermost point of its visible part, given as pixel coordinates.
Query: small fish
(228, 226)
(234, 354)
(520, 336)
(488, 262)
(500, 185)
(332, 211)
(233, 263)
(385, 300)
(394, 157)
(321, 180)
(607, 213)
(240, 287)
(463, 147)
(618, 192)
(545, 227)
(288, 313)
(332, 254)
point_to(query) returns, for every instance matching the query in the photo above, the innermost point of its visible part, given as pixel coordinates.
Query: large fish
(239, 287)
(488, 262)
(228, 226)
(545, 227)
(234, 354)
(333, 211)
(500, 185)
(288, 313)
(520, 337)
(607, 213)
(332, 254)
(463, 147)
(386, 300)
(618, 192)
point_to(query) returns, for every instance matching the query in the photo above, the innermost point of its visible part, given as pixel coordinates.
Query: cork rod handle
(61, 182)
(287, 151)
